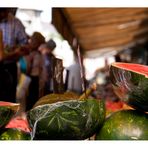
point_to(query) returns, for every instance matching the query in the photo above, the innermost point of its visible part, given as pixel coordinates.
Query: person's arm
(17, 53)
(4, 56)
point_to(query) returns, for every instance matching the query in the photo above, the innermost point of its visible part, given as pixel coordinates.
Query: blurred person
(14, 46)
(34, 68)
(48, 56)
(1, 45)
(74, 77)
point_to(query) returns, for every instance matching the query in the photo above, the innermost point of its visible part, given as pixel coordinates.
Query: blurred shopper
(48, 56)
(14, 39)
(74, 77)
(1, 45)
(34, 68)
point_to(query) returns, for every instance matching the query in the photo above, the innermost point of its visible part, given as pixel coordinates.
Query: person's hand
(25, 49)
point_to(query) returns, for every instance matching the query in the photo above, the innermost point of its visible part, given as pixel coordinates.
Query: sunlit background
(40, 20)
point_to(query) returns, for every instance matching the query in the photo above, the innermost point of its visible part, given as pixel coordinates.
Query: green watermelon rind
(14, 134)
(124, 125)
(67, 120)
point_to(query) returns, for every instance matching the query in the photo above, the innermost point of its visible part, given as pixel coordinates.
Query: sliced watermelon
(7, 110)
(13, 106)
(130, 83)
(19, 123)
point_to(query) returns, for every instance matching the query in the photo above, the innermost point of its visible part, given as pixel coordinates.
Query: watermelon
(124, 125)
(7, 110)
(19, 123)
(14, 134)
(13, 106)
(130, 83)
(66, 120)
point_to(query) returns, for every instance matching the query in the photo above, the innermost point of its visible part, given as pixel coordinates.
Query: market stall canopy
(100, 30)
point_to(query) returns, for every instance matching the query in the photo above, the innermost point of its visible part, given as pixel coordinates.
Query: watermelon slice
(7, 110)
(130, 83)
(13, 106)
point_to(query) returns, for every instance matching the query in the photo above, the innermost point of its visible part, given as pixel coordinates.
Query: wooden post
(57, 70)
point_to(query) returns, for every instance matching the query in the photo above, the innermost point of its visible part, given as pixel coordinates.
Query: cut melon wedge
(130, 83)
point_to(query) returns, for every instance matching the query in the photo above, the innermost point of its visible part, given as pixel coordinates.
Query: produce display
(68, 116)
(67, 120)
(130, 82)
(124, 125)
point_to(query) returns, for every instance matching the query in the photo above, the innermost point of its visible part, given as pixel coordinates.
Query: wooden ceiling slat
(93, 15)
(105, 30)
(111, 20)
(78, 11)
(113, 36)
(113, 43)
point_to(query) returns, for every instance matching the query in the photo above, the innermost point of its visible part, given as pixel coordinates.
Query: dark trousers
(8, 81)
(33, 94)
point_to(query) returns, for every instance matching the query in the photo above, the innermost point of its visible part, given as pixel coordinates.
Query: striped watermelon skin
(131, 86)
(14, 134)
(67, 120)
(5, 115)
(124, 125)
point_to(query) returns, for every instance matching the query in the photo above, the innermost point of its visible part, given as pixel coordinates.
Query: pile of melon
(71, 117)
(130, 83)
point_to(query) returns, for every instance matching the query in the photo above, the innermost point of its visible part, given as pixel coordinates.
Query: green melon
(14, 134)
(67, 120)
(52, 98)
(124, 125)
(130, 83)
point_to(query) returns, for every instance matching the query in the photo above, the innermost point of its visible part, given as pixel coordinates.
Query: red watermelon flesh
(16, 122)
(19, 123)
(13, 106)
(138, 68)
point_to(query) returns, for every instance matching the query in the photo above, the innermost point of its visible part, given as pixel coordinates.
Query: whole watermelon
(130, 83)
(124, 125)
(67, 120)
(14, 134)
